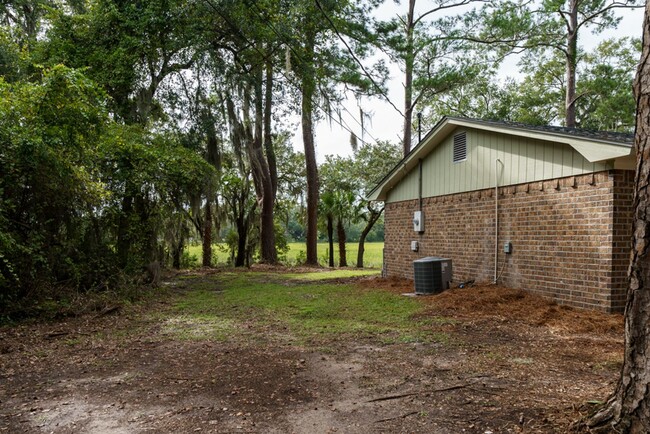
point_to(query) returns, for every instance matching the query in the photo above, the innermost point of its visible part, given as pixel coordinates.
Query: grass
(311, 312)
(333, 274)
(198, 327)
(372, 257)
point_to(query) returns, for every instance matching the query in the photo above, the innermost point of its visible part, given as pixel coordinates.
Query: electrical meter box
(507, 247)
(418, 221)
(415, 246)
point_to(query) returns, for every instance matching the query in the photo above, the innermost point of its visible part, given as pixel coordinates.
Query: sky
(387, 123)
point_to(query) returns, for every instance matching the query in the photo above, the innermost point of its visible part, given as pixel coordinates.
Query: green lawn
(304, 308)
(372, 257)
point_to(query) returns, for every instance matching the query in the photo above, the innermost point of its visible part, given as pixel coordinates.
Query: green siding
(524, 160)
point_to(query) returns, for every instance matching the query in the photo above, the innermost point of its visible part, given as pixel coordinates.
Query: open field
(273, 350)
(373, 253)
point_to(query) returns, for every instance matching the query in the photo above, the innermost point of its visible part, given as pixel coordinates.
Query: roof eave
(407, 163)
(593, 149)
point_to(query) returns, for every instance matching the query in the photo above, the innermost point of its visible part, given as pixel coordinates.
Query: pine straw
(494, 301)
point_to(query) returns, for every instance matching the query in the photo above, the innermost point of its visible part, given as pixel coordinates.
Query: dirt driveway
(505, 362)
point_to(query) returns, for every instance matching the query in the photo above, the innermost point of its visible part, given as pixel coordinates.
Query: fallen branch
(401, 416)
(387, 398)
(53, 335)
(489, 391)
(404, 395)
(108, 311)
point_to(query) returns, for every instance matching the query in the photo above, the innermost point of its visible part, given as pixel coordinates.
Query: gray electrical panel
(432, 275)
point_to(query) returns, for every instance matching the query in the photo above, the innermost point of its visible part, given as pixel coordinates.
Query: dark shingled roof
(624, 138)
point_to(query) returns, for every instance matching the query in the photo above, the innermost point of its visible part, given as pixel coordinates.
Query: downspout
(496, 217)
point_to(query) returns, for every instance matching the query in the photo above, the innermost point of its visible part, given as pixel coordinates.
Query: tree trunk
(571, 63)
(242, 235)
(268, 137)
(628, 409)
(251, 242)
(31, 20)
(262, 180)
(340, 234)
(308, 90)
(374, 216)
(123, 227)
(409, 62)
(207, 234)
(177, 253)
(330, 239)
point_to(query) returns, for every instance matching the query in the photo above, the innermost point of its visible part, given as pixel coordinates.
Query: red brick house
(561, 198)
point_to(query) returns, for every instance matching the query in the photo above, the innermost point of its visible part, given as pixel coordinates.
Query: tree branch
(443, 7)
(613, 6)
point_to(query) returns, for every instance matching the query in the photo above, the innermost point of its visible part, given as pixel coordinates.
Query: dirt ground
(511, 363)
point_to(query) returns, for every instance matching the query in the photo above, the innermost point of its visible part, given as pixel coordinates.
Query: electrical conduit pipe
(496, 217)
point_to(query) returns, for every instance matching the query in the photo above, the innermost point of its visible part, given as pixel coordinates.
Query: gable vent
(460, 147)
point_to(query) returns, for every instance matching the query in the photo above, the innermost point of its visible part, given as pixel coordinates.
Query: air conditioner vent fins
(432, 275)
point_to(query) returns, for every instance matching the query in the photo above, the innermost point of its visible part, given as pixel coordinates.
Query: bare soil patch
(505, 362)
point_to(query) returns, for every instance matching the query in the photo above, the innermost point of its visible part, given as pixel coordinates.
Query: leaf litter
(511, 362)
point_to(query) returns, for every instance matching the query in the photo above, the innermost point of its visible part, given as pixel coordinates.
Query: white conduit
(496, 217)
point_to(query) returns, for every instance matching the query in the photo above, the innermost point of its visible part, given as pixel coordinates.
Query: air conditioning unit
(432, 275)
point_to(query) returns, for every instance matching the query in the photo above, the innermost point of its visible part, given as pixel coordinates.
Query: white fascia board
(595, 151)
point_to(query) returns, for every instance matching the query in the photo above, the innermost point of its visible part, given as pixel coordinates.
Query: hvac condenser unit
(432, 275)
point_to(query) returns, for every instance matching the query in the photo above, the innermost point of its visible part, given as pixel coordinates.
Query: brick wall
(570, 237)
(622, 240)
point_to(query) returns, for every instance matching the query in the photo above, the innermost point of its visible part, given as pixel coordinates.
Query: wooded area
(130, 129)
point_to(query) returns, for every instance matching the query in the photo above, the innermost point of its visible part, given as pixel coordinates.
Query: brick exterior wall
(622, 239)
(570, 237)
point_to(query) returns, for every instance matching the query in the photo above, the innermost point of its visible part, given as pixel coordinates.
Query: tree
(433, 58)
(483, 98)
(327, 209)
(195, 117)
(24, 17)
(347, 211)
(236, 193)
(338, 201)
(290, 204)
(253, 71)
(346, 183)
(607, 101)
(628, 409)
(48, 135)
(129, 48)
(550, 25)
(318, 61)
(371, 163)
(604, 83)
(66, 167)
